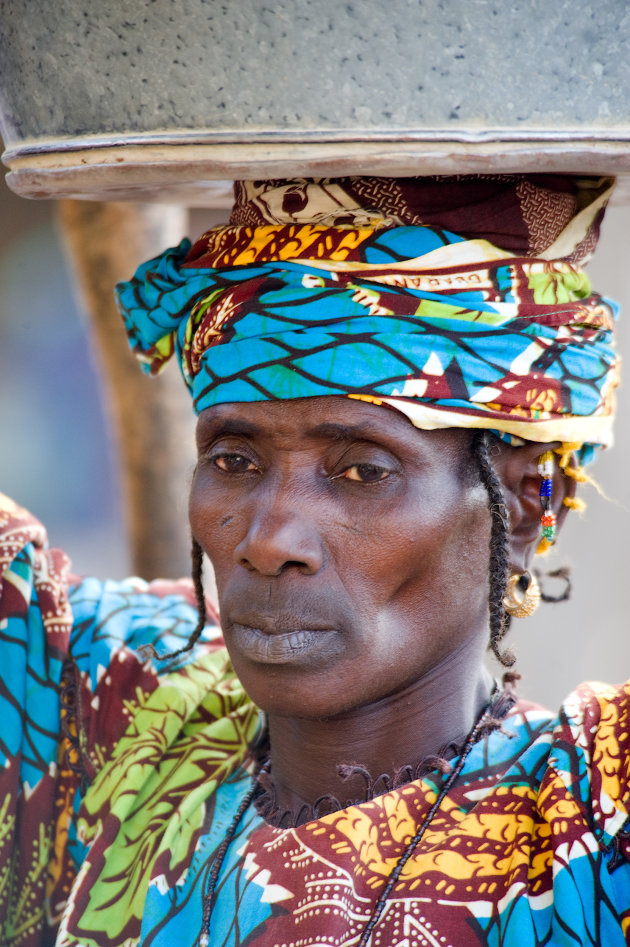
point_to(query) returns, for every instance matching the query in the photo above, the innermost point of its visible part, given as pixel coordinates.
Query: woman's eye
(234, 463)
(365, 473)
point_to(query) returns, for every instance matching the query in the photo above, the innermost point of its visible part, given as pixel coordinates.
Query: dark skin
(350, 557)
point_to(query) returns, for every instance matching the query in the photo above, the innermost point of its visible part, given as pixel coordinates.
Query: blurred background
(58, 455)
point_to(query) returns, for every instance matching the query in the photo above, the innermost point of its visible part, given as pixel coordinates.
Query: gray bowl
(169, 99)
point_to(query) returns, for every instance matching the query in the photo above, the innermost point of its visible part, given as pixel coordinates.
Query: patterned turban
(459, 301)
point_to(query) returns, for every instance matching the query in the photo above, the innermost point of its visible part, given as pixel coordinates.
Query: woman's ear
(517, 468)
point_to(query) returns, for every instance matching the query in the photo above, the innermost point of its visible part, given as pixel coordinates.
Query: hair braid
(148, 650)
(196, 553)
(499, 565)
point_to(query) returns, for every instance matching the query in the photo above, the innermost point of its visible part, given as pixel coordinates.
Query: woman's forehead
(327, 418)
(310, 415)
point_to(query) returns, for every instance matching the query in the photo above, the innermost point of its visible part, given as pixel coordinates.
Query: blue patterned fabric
(471, 337)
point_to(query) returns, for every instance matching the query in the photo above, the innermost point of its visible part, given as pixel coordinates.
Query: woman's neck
(396, 731)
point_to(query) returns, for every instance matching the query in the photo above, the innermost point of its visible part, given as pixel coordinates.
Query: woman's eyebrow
(221, 427)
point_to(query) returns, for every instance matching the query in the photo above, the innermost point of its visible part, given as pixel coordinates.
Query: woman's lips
(283, 647)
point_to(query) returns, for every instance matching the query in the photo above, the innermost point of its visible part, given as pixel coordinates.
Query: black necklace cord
(489, 720)
(473, 738)
(211, 894)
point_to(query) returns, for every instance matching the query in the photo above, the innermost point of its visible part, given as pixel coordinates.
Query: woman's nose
(278, 538)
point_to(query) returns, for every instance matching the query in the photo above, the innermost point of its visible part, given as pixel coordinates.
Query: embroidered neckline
(265, 794)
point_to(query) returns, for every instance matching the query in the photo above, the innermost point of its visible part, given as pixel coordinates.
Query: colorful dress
(121, 776)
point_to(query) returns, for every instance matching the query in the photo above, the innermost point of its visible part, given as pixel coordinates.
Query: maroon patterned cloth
(521, 213)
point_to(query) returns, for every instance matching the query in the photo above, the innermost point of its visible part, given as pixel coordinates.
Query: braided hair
(196, 554)
(148, 650)
(499, 565)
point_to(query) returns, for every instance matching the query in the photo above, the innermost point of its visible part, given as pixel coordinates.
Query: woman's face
(350, 549)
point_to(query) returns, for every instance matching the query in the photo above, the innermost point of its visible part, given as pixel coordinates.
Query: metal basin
(168, 99)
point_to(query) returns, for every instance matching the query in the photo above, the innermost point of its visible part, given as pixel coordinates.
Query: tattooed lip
(284, 647)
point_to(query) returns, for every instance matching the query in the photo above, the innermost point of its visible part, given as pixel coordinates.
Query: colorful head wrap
(460, 301)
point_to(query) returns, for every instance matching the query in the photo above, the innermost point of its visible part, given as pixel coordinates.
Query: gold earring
(522, 597)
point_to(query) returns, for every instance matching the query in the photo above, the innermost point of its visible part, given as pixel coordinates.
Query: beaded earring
(548, 518)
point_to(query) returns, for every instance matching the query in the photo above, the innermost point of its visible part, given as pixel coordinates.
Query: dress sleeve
(35, 624)
(70, 664)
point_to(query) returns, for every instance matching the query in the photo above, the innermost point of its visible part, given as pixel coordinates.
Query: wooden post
(152, 417)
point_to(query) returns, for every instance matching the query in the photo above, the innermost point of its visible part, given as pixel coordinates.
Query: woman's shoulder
(594, 705)
(595, 718)
(592, 709)
(130, 661)
(150, 619)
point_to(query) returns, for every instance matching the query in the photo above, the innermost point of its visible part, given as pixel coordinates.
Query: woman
(392, 420)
